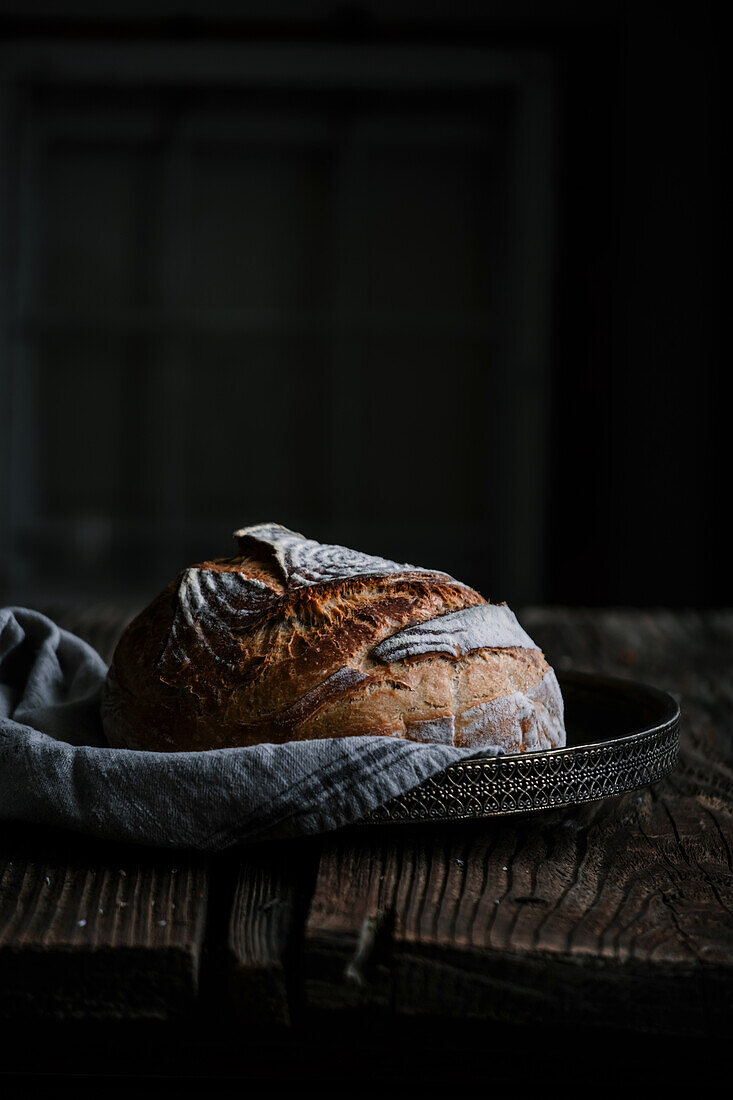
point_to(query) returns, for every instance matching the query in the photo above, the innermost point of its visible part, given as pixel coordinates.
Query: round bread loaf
(293, 640)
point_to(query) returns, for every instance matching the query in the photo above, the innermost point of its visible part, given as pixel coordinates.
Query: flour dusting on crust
(432, 730)
(212, 606)
(487, 626)
(239, 645)
(305, 561)
(533, 719)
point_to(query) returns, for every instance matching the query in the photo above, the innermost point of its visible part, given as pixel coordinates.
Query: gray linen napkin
(57, 769)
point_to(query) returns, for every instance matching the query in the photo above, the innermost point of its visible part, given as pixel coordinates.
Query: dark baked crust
(273, 653)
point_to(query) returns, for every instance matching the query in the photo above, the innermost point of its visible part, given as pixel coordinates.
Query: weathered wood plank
(272, 884)
(97, 930)
(616, 914)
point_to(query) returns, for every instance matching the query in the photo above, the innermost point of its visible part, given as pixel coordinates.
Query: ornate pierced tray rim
(516, 783)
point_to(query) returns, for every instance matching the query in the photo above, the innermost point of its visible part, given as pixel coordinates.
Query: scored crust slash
(293, 640)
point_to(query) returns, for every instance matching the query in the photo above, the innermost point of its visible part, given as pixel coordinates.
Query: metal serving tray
(620, 736)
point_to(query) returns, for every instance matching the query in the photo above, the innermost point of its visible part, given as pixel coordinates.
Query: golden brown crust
(218, 661)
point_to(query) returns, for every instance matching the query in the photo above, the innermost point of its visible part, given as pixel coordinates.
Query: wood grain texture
(615, 914)
(97, 930)
(271, 885)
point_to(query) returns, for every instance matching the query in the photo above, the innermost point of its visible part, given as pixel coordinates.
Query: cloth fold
(57, 769)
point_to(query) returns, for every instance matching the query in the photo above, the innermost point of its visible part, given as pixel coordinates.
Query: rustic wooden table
(595, 940)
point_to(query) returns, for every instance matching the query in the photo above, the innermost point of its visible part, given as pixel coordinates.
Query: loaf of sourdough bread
(292, 640)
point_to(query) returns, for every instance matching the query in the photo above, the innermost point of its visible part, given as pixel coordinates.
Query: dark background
(441, 283)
